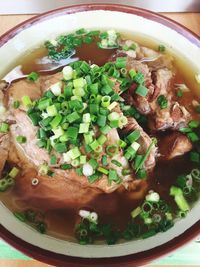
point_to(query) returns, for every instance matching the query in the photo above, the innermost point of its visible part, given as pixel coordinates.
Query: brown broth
(111, 207)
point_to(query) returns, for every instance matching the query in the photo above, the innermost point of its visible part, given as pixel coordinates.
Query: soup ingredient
(33, 218)
(173, 145)
(33, 76)
(161, 48)
(4, 127)
(145, 143)
(162, 101)
(157, 77)
(64, 46)
(181, 202)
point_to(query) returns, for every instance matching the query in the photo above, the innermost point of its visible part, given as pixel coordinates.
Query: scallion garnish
(4, 127)
(162, 101)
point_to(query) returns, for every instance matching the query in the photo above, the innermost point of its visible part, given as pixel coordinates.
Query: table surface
(189, 255)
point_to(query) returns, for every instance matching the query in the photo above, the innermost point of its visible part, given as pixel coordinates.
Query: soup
(106, 148)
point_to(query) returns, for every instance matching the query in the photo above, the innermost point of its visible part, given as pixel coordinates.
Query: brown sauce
(113, 207)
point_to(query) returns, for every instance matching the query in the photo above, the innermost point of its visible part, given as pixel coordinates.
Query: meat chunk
(158, 80)
(53, 192)
(173, 117)
(173, 145)
(144, 142)
(23, 87)
(24, 127)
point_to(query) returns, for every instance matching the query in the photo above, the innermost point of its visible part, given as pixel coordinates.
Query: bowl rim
(137, 258)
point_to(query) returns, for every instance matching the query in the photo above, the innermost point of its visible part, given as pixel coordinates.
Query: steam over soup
(106, 148)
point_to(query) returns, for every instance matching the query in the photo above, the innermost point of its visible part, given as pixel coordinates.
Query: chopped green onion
(94, 145)
(196, 174)
(194, 124)
(44, 104)
(72, 132)
(122, 144)
(67, 73)
(132, 73)
(193, 137)
(14, 172)
(21, 139)
(114, 124)
(162, 101)
(181, 202)
(120, 62)
(66, 166)
(105, 101)
(141, 90)
(88, 138)
(33, 76)
(106, 129)
(51, 110)
(43, 169)
(104, 160)
(113, 116)
(93, 163)
(84, 127)
(4, 127)
(86, 118)
(112, 176)
(153, 142)
(26, 101)
(149, 234)
(134, 136)
(56, 88)
(74, 153)
(139, 78)
(161, 48)
(116, 162)
(60, 147)
(141, 174)
(94, 108)
(103, 170)
(56, 121)
(93, 178)
(80, 82)
(126, 171)
(179, 93)
(135, 212)
(112, 150)
(75, 162)
(185, 130)
(82, 159)
(74, 116)
(53, 160)
(20, 216)
(16, 104)
(101, 120)
(102, 139)
(194, 157)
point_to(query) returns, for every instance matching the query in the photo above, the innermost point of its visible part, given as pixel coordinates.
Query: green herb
(161, 48)
(4, 127)
(16, 104)
(141, 91)
(21, 139)
(179, 93)
(162, 102)
(33, 76)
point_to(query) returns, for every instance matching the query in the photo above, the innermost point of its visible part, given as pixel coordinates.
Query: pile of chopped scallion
(64, 46)
(75, 116)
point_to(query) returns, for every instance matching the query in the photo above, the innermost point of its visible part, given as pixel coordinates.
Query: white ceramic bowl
(34, 32)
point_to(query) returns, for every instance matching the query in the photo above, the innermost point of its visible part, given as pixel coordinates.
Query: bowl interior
(48, 28)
